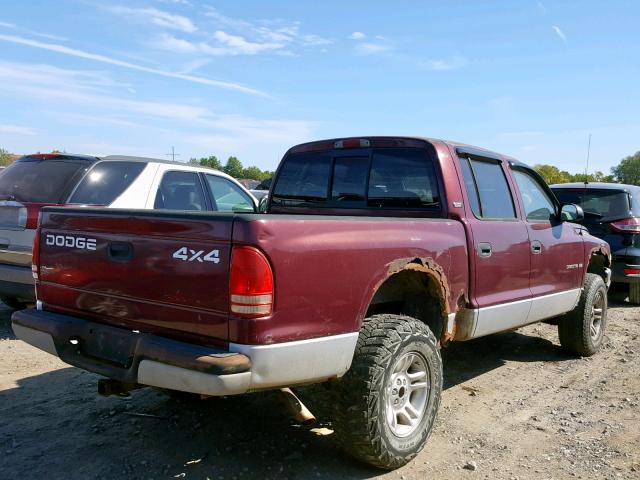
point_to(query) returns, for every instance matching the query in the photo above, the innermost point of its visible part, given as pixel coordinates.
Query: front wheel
(581, 331)
(388, 400)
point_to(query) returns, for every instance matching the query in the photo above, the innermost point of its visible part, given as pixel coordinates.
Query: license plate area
(110, 345)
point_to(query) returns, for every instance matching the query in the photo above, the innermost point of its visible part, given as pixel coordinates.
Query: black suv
(611, 212)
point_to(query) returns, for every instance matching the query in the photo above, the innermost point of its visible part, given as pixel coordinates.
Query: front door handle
(484, 249)
(536, 247)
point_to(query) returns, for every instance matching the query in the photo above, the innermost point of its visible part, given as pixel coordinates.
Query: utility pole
(173, 154)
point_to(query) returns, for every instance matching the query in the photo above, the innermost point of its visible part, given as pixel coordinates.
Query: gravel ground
(515, 406)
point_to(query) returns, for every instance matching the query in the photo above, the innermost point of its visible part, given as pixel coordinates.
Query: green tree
(254, 173)
(5, 157)
(211, 162)
(234, 167)
(628, 170)
(552, 174)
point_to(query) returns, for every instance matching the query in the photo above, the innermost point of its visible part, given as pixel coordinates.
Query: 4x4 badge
(187, 255)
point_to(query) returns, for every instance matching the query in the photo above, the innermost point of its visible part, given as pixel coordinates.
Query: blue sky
(252, 78)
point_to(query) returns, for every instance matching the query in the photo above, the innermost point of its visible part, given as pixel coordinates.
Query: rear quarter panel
(327, 269)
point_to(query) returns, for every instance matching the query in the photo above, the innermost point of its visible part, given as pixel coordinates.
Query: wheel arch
(600, 264)
(416, 287)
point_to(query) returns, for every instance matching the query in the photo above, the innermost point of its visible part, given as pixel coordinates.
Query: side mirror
(262, 206)
(570, 212)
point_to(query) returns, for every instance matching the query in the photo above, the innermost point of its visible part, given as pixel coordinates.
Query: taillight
(35, 256)
(628, 225)
(632, 271)
(250, 283)
(33, 212)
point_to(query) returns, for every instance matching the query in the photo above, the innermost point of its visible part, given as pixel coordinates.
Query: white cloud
(16, 130)
(31, 32)
(226, 44)
(357, 36)
(156, 17)
(237, 45)
(366, 48)
(560, 34)
(132, 66)
(542, 8)
(194, 65)
(315, 40)
(177, 2)
(72, 90)
(237, 36)
(450, 63)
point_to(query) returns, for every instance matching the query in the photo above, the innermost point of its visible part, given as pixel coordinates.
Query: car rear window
(105, 182)
(401, 178)
(41, 180)
(597, 204)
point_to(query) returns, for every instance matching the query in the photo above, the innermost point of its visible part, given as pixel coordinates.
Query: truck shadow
(464, 361)
(5, 323)
(56, 426)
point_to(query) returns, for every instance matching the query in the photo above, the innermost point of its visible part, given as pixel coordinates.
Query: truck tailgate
(157, 271)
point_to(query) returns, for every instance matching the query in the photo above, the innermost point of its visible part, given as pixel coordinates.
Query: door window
(180, 191)
(227, 196)
(537, 204)
(488, 189)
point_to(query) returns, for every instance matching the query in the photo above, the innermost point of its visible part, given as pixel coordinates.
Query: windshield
(389, 178)
(41, 180)
(597, 204)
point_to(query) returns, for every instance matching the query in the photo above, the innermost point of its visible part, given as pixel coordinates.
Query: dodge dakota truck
(368, 256)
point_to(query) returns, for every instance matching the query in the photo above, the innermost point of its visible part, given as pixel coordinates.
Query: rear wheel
(634, 293)
(388, 400)
(13, 303)
(581, 331)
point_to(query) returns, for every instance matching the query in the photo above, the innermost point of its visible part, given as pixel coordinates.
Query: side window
(488, 189)
(537, 204)
(180, 191)
(105, 182)
(227, 196)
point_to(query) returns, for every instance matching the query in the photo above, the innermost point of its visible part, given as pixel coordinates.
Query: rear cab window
(105, 182)
(389, 179)
(42, 179)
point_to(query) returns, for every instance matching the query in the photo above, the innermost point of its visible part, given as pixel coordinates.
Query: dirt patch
(514, 406)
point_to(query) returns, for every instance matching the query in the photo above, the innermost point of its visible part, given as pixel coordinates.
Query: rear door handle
(536, 247)
(484, 249)
(120, 251)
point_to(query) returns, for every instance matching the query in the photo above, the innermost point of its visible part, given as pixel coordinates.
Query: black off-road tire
(575, 327)
(361, 405)
(13, 303)
(634, 293)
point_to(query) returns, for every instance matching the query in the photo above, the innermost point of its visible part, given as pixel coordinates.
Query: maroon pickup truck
(368, 256)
